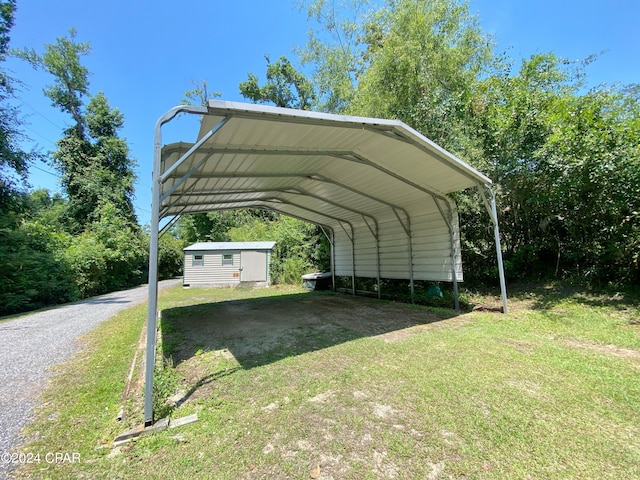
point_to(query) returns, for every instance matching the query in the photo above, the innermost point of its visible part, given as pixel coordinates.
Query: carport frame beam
(493, 214)
(152, 307)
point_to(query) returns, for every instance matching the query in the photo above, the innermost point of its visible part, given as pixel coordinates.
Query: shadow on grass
(259, 331)
(547, 296)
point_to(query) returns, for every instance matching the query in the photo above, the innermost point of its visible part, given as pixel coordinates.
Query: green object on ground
(434, 291)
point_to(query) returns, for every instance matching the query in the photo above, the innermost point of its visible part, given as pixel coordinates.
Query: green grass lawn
(368, 390)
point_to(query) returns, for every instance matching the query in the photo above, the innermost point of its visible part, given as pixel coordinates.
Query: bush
(170, 257)
(110, 255)
(33, 273)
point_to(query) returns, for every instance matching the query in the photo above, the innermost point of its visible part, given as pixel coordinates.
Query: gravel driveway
(32, 344)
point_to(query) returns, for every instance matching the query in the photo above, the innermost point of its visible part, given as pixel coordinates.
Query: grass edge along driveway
(548, 391)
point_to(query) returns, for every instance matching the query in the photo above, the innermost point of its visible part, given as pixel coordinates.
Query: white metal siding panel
(394, 250)
(432, 248)
(342, 253)
(225, 273)
(366, 258)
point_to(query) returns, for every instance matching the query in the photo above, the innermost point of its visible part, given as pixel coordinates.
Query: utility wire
(46, 171)
(40, 114)
(59, 177)
(40, 135)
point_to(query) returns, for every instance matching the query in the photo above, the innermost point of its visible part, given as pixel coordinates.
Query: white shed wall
(212, 272)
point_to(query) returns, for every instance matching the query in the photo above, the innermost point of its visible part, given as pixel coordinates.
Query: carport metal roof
(378, 186)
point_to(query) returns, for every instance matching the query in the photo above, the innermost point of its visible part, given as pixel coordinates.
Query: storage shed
(227, 264)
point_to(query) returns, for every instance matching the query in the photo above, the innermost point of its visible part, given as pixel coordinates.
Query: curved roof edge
(396, 127)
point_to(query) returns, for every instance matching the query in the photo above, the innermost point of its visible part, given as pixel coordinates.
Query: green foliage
(592, 170)
(96, 169)
(90, 243)
(423, 60)
(298, 248)
(34, 272)
(7, 10)
(165, 383)
(62, 60)
(85, 256)
(93, 161)
(215, 226)
(285, 87)
(109, 255)
(199, 95)
(71, 77)
(566, 164)
(45, 265)
(170, 257)
(335, 50)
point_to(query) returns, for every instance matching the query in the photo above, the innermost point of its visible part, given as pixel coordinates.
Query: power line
(143, 209)
(40, 135)
(138, 207)
(46, 171)
(46, 118)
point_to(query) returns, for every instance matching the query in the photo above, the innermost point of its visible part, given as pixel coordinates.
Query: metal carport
(378, 187)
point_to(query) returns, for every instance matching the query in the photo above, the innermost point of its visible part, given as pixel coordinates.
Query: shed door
(254, 267)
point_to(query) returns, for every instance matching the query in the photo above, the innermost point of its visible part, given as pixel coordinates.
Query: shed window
(198, 260)
(227, 259)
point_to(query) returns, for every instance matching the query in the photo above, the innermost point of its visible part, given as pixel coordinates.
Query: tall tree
(199, 94)
(71, 78)
(424, 57)
(335, 49)
(94, 162)
(13, 161)
(32, 273)
(564, 162)
(567, 167)
(285, 87)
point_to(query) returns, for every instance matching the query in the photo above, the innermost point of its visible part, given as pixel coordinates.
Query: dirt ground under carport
(258, 331)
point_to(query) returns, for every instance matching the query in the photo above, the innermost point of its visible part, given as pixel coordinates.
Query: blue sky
(145, 54)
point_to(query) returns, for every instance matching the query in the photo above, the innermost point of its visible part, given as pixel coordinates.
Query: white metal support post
(331, 239)
(376, 236)
(493, 213)
(448, 219)
(152, 309)
(407, 230)
(353, 261)
(333, 260)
